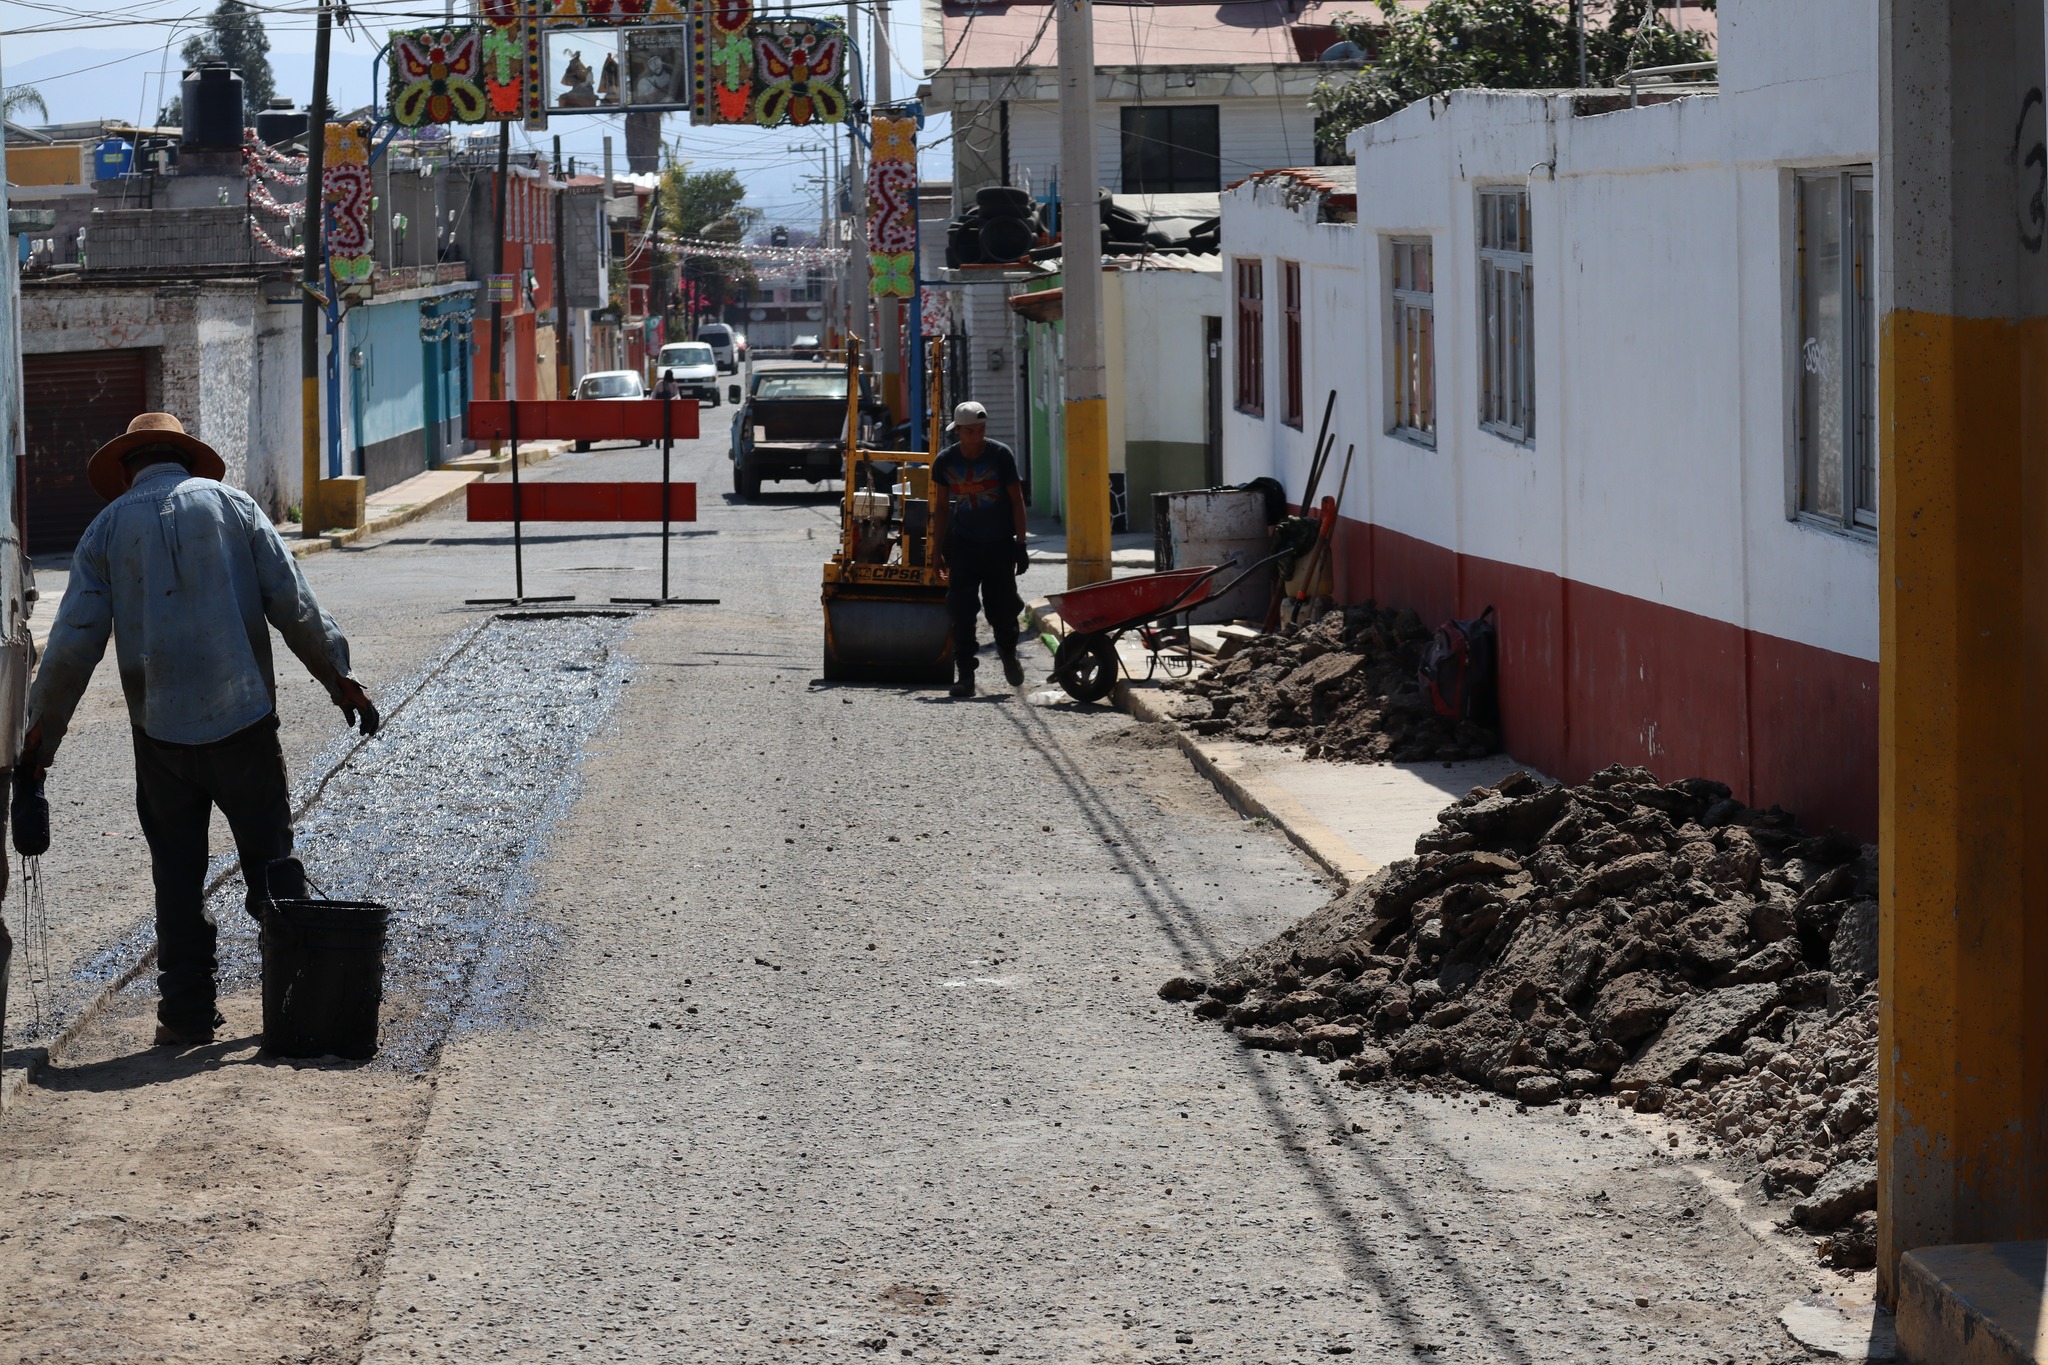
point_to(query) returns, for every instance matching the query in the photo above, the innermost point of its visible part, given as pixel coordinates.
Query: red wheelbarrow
(1086, 664)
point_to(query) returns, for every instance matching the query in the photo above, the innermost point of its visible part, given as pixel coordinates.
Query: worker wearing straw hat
(188, 576)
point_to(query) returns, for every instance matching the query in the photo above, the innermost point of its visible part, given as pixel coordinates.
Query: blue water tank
(113, 158)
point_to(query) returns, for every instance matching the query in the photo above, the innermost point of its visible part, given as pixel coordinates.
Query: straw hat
(109, 477)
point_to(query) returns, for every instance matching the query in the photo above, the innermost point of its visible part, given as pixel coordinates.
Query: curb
(329, 540)
(1253, 797)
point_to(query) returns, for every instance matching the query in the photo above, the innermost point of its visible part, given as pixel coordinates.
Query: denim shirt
(185, 572)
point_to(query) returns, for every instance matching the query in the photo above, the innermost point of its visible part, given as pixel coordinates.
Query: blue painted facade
(406, 373)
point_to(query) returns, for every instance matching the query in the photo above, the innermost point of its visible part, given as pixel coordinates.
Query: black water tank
(213, 106)
(280, 123)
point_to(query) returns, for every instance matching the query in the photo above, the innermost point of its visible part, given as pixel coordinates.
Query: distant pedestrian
(979, 529)
(185, 572)
(667, 387)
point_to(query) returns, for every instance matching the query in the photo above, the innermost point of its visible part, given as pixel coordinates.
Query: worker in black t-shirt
(978, 528)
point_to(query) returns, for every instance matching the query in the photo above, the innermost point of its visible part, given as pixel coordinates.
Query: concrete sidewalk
(1352, 818)
(406, 501)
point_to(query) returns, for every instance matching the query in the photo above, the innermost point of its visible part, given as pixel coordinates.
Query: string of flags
(741, 251)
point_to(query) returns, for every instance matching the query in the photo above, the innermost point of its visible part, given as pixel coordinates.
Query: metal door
(73, 403)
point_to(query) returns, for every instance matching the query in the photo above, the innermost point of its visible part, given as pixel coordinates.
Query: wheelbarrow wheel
(1086, 666)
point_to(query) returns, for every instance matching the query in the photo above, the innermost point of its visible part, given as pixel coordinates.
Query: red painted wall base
(1590, 677)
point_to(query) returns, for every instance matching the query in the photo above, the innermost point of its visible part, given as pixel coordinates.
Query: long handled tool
(1314, 572)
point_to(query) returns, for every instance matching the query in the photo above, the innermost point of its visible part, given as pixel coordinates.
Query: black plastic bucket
(323, 977)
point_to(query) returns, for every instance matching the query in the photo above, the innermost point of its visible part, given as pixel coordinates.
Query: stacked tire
(1002, 226)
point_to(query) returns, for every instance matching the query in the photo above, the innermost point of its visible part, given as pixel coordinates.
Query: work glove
(357, 709)
(33, 761)
(1023, 558)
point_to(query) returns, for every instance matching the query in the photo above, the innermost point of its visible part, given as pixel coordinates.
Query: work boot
(171, 1036)
(1013, 667)
(964, 687)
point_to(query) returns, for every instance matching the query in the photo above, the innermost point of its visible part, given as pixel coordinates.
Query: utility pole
(564, 381)
(1962, 543)
(1579, 29)
(1087, 404)
(502, 193)
(889, 349)
(314, 231)
(616, 358)
(857, 246)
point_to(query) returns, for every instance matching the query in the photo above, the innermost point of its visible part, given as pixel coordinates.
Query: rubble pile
(1343, 687)
(1662, 942)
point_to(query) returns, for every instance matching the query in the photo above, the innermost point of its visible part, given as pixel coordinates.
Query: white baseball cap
(970, 415)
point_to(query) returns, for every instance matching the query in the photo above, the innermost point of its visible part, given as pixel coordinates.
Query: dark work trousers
(984, 570)
(176, 788)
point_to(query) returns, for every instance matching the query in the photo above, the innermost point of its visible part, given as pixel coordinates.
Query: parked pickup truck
(791, 424)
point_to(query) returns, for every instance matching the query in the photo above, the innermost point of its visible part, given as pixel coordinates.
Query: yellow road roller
(884, 598)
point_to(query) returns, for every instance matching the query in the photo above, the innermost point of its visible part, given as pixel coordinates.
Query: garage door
(73, 403)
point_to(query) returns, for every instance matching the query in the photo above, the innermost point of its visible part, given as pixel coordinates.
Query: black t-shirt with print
(980, 491)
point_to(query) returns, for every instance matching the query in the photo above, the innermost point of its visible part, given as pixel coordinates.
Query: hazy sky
(121, 61)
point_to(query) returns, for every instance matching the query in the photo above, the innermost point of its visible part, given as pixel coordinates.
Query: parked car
(694, 368)
(791, 424)
(610, 384)
(728, 347)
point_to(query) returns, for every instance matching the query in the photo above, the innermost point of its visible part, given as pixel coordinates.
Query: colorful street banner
(892, 208)
(722, 61)
(437, 77)
(611, 13)
(345, 189)
(938, 312)
(504, 289)
(799, 72)
(506, 80)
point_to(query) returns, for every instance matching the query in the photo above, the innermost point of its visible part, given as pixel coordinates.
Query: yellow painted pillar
(1963, 619)
(1087, 500)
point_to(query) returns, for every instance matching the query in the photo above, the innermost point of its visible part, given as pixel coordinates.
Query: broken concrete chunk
(1270, 1037)
(1852, 952)
(1710, 1022)
(1843, 1193)
(1182, 988)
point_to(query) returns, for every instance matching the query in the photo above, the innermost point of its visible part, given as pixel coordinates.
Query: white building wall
(1662, 310)
(1667, 608)
(1253, 134)
(992, 360)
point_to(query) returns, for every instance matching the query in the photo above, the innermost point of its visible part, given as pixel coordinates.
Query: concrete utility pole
(889, 347)
(1963, 642)
(502, 191)
(564, 383)
(1087, 405)
(857, 246)
(314, 232)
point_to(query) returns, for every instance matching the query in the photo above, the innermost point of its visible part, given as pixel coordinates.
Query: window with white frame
(1507, 360)
(1414, 341)
(1835, 463)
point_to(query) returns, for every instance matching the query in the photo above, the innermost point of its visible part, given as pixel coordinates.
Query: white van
(694, 368)
(727, 346)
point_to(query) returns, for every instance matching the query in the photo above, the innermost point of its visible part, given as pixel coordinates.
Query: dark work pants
(985, 571)
(176, 788)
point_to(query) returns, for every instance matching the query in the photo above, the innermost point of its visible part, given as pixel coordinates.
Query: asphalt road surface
(821, 1025)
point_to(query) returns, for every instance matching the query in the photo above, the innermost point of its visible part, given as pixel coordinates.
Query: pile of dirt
(1660, 941)
(1343, 687)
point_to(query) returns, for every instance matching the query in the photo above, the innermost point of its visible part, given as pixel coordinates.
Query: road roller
(884, 597)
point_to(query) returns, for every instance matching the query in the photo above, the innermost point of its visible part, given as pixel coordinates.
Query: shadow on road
(160, 1065)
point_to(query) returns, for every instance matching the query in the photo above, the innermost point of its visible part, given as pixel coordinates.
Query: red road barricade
(602, 419)
(582, 502)
(587, 419)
